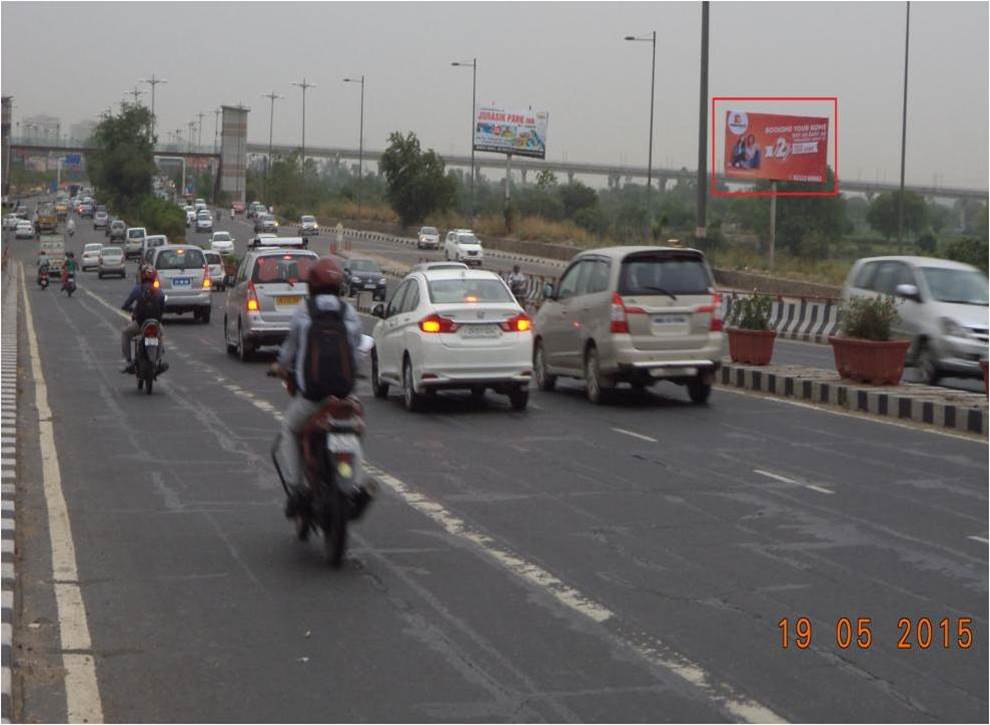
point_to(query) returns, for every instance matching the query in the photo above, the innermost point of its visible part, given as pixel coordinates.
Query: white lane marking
(785, 479)
(635, 435)
(981, 539)
(919, 427)
(82, 693)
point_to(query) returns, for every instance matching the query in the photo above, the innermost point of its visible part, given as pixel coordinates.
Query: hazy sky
(74, 59)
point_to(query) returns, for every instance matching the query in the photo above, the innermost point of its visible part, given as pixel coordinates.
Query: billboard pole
(702, 182)
(773, 219)
(900, 197)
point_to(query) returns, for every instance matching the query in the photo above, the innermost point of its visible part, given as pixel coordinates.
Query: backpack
(147, 306)
(329, 365)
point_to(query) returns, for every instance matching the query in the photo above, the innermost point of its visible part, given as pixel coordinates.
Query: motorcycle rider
(69, 269)
(145, 302)
(43, 261)
(517, 284)
(324, 280)
(70, 227)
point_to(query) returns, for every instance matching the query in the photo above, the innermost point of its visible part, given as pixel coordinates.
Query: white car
(24, 230)
(190, 215)
(204, 221)
(274, 240)
(90, 257)
(214, 266)
(112, 262)
(222, 242)
(134, 242)
(308, 226)
(462, 246)
(428, 238)
(450, 329)
(10, 222)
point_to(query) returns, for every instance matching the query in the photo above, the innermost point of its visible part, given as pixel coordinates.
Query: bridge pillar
(233, 152)
(570, 177)
(523, 172)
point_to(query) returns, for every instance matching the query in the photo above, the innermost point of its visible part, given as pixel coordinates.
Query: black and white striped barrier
(8, 470)
(807, 319)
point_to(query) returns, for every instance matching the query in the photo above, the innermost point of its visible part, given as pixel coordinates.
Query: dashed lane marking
(981, 539)
(635, 435)
(785, 479)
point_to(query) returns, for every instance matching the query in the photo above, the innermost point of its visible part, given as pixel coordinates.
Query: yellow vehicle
(47, 219)
(61, 209)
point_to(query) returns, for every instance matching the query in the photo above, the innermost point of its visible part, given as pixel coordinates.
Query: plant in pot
(864, 350)
(750, 336)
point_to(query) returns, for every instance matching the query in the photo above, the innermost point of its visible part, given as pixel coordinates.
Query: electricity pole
(304, 85)
(153, 82)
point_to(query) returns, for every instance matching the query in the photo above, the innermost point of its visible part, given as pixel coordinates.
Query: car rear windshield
(452, 291)
(221, 237)
(963, 286)
(92, 247)
(179, 259)
(282, 268)
(135, 233)
(662, 274)
(365, 265)
(212, 258)
(111, 252)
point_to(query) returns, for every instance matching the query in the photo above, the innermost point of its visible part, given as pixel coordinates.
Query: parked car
(111, 262)
(134, 242)
(204, 221)
(633, 315)
(214, 265)
(308, 227)
(267, 287)
(364, 275)
(24, 230)
(942, 309)
(462, 246)
(101, 220)
(182, 273)
(265, 223)
(222, 242)
(452, 329)
(116, 229)
(428, 238)
(90, 258)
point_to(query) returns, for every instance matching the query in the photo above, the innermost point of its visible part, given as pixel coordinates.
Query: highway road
(623, 563)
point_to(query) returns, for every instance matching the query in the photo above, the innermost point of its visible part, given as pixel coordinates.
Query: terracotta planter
(753, 347)
(869, 361)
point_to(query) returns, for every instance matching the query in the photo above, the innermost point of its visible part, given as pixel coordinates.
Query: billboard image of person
(521, 133)
(775, 147)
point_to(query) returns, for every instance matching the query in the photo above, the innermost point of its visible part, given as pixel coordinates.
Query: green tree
(882, 215)
(121, 163)
(927, 242)
(576, 196)
(546, 179)
(968, 250)
(416, 184)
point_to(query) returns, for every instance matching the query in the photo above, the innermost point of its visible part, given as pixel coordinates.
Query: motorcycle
(69, 284)
(333, 459)
(149, 355)
(43, 276)
(71, 228)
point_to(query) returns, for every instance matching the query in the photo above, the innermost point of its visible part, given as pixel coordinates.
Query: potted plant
(863, 349)
(750, 336)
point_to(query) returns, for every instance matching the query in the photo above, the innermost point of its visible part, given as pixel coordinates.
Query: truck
(47, 219)
(54, 247)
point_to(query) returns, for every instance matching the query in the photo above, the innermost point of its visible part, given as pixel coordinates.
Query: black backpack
(329, 365)
(148, 305)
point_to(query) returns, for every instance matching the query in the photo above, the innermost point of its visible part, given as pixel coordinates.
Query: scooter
(69, 284)
(43, 276)
(149, 355)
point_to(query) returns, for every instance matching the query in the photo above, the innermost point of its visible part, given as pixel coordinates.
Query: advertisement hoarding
(775, 147)
(521, 133)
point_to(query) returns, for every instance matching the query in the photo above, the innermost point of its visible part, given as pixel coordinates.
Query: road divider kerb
(8, 491)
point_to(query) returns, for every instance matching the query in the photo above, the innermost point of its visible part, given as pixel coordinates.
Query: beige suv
(630, 314)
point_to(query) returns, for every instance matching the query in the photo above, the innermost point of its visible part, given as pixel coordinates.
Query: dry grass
(746, 259)
(345, 209)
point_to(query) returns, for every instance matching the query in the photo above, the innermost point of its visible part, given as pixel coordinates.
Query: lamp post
(136, 92)
(304, 85)
(900, 196)
(360, 142)
(273, 96)
(702, 182)
(473, 65)
(652, 38)
(153, 82)
(199, 137)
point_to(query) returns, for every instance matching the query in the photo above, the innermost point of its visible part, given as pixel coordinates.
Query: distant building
(5, 162)
(80, 132)
(41, 128)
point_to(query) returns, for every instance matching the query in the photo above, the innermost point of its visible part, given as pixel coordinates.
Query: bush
(161, 217)
(968, 250)
(868, 318)
(751, 313)
(927, 243)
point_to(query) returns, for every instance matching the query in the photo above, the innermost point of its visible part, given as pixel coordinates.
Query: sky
(566, 58)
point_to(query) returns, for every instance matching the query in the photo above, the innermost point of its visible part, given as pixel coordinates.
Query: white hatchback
(222, 242)
(452, 329)
(90, 257)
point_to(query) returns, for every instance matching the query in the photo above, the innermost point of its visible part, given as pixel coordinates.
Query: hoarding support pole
(773, 219)
(508, 177)
(702, 182)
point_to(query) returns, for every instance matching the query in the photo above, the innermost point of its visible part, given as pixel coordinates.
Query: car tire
(544, 380)
(205, 316)
(410, 398)
(519, 398)
(699, 391)
(379, 388)
(231, 349)
(244, 348)
(596, 387)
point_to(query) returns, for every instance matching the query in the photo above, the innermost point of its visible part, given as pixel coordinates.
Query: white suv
(462, 246)
(134, 242)
(450, 328)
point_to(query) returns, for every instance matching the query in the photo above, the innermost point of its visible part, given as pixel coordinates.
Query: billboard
(775, 147)
(521, 133)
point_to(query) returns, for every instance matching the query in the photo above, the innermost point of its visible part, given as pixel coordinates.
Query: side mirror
(908, 292)
(378, 310)
(548, 291)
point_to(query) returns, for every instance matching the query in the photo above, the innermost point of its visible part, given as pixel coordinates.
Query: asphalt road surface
(631, 562)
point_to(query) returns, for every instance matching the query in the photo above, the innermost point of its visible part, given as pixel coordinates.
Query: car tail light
(252, 298)
(619, 312)
(206, 278)
(157, 283)
(715, 322)
(437, 323)
(519, 323)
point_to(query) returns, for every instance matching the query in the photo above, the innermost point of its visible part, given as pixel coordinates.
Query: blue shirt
(293, 351)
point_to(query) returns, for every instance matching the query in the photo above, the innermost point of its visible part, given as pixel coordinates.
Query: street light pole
(136, 92)
(649, 162)
(153, 82)
(474, 99)
(304, 85)
(900, 197)
(199, 138)
(702, 182)
(273, 96)
(360, 142)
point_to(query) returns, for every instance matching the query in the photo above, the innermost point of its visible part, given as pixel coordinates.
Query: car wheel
(518, 398)
(244, 348)
(926, 365)
(699, 391)
(99, 275)
(205, 317)
(379, 388)
(596, 388)
(412, 400)
(544, 380)
(231, 349)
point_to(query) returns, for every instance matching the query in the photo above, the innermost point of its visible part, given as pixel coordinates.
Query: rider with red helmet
(145, 302)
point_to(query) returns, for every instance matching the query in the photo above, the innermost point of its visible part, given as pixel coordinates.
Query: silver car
(134, 241)
(182, 273)
(111, 262)
(266, 289)
(942, 308)
(636, 315)
(214, 264)
(90, 258)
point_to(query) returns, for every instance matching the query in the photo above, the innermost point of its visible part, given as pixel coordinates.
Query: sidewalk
(940, 407)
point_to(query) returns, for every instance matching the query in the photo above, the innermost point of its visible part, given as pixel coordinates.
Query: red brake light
(715, 323)
(519, 323)
(619, 322)
(437, 323)
(252, 298)
(151, 331)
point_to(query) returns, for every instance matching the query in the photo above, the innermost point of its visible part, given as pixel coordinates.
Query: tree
(121, 163)
(546, 179)
(416, 184)
(882, 215)
(576, 196)
(927, 242)
(968, 250)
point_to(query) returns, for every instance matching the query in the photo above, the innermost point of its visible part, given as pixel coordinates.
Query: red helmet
(325, 277)
(148, 273)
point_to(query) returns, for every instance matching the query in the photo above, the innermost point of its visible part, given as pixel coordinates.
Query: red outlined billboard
(774, 146)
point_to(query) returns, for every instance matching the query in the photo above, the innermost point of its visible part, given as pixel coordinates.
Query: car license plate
(151, 342)
(180, 281)
(670, 319)
(287, 300)
(480, 330)
(370, 285)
